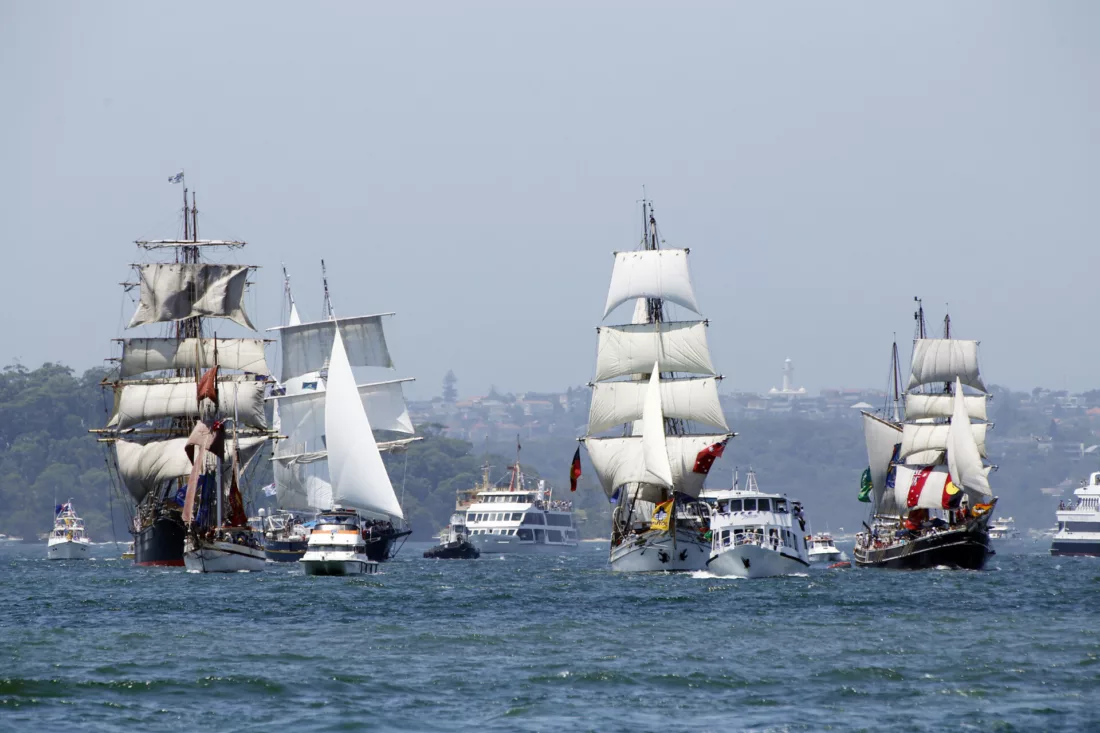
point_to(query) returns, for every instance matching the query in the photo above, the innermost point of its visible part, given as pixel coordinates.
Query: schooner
(158, 402)
(927, 483)
(656, 386)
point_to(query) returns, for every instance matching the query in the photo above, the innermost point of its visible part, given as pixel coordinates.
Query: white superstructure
(336, 546)
(68, 540)
(1003, 529)
(756, 535)
(518, 519)
(1079, 522)
(824, 552)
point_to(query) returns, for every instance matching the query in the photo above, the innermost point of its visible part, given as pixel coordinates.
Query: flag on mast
(176, 178)
(575, 470)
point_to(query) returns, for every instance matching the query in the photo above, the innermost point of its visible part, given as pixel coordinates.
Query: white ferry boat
(516, 519)
(1003, 529)
(1079, 522)
(68, 540)
(756, 535)
(337, 547)
(824, 552)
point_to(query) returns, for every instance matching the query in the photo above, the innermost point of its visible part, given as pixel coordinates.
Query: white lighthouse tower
(788, 389)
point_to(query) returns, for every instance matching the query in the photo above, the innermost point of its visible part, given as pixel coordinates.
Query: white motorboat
(68, 540)
(336, 546)
(824, 552)
(1003, 529)
(1079, 522)
(754, 535)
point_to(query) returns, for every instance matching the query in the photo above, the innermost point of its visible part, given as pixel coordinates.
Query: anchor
(683, 555)
(745, 560)
(662, 556)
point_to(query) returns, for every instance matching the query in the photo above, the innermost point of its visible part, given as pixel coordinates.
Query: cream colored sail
(678, 346)
(964, 455)
(920, 437)
(141, 355)
(945, 360)
(654, 452)
(306, 347)
(138, 403)
(174, 291)
(617, 403)
(881, 437)
(621, 461)
(659, 273)
(924, 406)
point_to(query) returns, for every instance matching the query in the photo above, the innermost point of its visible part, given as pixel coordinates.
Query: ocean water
(547, 644)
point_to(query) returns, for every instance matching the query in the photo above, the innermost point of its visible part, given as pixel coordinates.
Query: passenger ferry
(1079, 522)
(68, 540)
(516, 519)
(1003, 529)
(756, 535)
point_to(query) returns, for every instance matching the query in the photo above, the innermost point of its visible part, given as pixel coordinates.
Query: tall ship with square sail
(655, 386)
(167, 385)
(927, 480)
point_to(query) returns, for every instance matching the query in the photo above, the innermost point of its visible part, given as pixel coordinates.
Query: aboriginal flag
(575, 470)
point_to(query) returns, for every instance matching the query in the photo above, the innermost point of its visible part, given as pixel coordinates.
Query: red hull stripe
(161, 564)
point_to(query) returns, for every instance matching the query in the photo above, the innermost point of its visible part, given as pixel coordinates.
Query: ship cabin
(522, 514)
(1081, 514)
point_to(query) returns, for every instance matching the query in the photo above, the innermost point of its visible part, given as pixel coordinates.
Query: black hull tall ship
(160, 543)
(384, 546)
(926, 479)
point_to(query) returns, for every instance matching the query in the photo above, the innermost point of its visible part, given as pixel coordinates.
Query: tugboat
(1079, 522)
(68, 541)
(753, 534)
(454, 542)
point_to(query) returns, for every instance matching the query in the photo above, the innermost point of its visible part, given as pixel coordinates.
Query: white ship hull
(825, 559)
(656, 552)
(754, 561)
(337, 563)
(67, 550)
(223, 557)
(498, 544)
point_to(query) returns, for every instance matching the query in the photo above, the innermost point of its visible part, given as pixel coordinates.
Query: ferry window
(533, 519)
(515, 516)
(735, 505)
(539, 535)
(750, 505)
(524, 534)
(781, 506)
(764, 505)
(553, 535)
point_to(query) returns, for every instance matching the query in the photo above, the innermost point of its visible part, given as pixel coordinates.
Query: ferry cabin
(1079, 522)
(758, 520)
(519, 514)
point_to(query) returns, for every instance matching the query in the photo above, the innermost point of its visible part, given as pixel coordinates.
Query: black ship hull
(285, 550)
(382, 547)
(966, 548)
(160, 543)
(453, 551)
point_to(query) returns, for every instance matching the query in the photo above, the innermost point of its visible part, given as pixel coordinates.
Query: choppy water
(546, 644)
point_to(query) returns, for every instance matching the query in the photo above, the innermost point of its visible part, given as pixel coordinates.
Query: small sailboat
(68, 540)
(361, 488)
(654, 470)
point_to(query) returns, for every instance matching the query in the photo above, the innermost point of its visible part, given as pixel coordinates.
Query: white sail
(302, 415)
(620, 461)
(140, 355)
(919, 438)
(930, 495)
(302, 482)
(925, 457)
(172, 291)
(143, 467)
(964, 455)
(295, 319)
(677, 346)
(881, 437)
(944, 360)
(659, 273)
(359, 477)
(616, 403)
(138, 403)
(924, 406)
(306, 347)
(654, 453)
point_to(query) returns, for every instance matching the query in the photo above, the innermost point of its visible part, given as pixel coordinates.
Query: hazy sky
(472, 167)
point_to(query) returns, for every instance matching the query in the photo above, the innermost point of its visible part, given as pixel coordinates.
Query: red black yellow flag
(575, 470)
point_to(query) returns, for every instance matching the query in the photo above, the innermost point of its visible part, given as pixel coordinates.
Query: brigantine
(654, 378)
(156, 398)
(304, 474)
(928, 486)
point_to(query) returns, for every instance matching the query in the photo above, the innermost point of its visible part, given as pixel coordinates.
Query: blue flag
(176, 178)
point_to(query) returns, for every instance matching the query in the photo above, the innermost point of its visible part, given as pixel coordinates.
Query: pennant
(706, 457)
(575, 470)
(865, 485)
(661, 514)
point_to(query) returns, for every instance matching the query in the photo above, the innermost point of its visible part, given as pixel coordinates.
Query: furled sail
(616, 403)
(924, 406)
(302, 415)
(964, 455)
(138, 403)
(654, 454)
(944, 360)
(173, 291)
(924, 437)
(881, 437)
(143, 467)
(306, 347)
(359, 477)
(140, 355)
(620, 461)
(657, 273)
(677, 346)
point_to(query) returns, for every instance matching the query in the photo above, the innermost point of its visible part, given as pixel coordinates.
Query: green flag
(865, 485)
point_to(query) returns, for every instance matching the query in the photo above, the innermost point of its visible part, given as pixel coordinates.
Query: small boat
(68, 540)
(753, 534)
(454, 542)
(336, 546)
(129, 554)
(825, 553)
(285, 536)
(1003, 529)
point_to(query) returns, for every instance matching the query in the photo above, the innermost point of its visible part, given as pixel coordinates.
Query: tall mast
(326, 309)
(286, 286)
(919, 317)
(896, 369)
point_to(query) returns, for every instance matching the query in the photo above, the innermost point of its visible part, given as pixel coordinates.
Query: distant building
(787, 389)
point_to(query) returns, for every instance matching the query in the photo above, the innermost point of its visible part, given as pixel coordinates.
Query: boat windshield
(735, 505)
(764, 505)
(781, 506)
(750, 505)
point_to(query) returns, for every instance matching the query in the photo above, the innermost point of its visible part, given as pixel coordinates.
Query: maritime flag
(575, 470)
(661, 514)
(706, 457)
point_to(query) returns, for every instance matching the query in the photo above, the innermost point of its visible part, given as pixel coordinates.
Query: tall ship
(516, 518)
(157, 399)
(655, 424)
(927, 481)
(304, 475)
(68, 540)
(1079, 522)
(360, 489)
